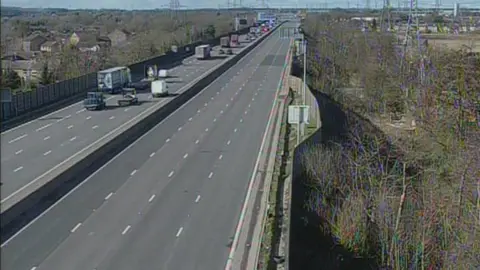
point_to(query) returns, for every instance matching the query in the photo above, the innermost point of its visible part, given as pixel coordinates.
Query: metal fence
(22, 103)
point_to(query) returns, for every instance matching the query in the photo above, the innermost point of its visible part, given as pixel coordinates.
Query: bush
(417, 206)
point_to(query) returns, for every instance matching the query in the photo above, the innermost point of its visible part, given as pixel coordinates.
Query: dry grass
(416, 205)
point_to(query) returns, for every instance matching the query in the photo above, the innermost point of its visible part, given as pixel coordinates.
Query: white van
(163, 73)
(159, 88)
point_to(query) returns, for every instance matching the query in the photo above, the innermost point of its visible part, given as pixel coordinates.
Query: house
(119, 37)
(51, 47)
(33, 43)
(24, 67)
(18, 56)
(104, 42)
(85, 46)
(86, 41)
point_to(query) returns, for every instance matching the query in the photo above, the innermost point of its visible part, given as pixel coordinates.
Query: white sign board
(298, 114)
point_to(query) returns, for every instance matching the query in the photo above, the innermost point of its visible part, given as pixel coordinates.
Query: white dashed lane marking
(126, 230)
(18, 138)
(179, 232)
(44, 127)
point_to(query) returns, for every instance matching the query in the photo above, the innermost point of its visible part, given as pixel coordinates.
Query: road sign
(298, 114)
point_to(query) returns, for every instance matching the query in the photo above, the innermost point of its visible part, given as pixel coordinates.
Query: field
(455, 42)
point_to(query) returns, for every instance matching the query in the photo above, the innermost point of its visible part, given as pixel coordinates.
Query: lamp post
(304, 70)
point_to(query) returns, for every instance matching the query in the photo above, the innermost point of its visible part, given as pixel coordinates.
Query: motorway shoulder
(125, 178)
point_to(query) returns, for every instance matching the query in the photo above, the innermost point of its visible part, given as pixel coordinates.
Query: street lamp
(304, 69)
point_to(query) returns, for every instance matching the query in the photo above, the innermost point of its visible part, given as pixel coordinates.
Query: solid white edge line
(132, 144)
(231, 255)
(76, 227)
(108, 196)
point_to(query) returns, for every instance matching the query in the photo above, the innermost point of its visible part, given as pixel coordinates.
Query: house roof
(34, 36)
(121, 31)
(20, 65)
(85, 36)
(87, 44)
(17, 56)
(49, 43)
(103, 39)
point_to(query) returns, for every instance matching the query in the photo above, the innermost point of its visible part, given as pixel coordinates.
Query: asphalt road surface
(172, 199)
(32, 149)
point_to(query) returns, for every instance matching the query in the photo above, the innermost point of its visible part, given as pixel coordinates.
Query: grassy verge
(273, 223)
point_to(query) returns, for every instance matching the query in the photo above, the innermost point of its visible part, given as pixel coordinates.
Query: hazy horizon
(192, 4)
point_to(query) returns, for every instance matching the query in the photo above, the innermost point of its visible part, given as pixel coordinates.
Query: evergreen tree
(11, 79)
(47, 75)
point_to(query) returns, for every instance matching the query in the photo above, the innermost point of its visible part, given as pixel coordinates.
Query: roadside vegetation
(409, 199)
(152, 33)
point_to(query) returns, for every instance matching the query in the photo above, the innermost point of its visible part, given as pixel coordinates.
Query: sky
(152, 4)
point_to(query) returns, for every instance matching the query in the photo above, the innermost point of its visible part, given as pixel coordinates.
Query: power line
(174, 5)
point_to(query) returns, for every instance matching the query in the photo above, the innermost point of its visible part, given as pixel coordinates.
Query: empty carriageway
(172, 199)
(32, 150)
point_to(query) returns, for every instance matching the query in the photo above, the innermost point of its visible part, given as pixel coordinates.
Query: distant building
(51, 47)
(23, 67)
(118, 37)
(33, 43)
(456, 9)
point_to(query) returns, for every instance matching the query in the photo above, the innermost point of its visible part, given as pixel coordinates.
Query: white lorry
(202, 51)
(114, 79)
(159, 88)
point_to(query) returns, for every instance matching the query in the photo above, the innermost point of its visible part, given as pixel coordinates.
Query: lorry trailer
(225, 42)
(234, 40)
(202, 52)
(114, 79)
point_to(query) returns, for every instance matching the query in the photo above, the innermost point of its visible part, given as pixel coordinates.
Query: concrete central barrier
(31, 202)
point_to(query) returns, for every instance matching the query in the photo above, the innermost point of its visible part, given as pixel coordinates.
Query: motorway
(32, 149)
(172, 199)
